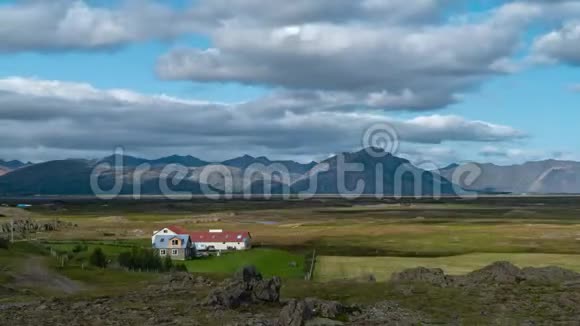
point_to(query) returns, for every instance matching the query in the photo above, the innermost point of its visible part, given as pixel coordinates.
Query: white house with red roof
(211, 240)
(221, 240)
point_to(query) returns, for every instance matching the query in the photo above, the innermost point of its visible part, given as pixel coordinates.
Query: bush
(98, 258)
(180, 268)
(79, 248)
(141, 259)
(4, 243)
(167, 264)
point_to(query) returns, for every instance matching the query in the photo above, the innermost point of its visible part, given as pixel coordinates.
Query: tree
(98, 258)
(167, 264)
(141, 259)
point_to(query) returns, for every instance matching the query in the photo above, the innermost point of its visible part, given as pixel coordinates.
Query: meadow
(352, 239)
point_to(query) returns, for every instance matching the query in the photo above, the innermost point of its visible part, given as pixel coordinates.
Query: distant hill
(187, 160)
(12, 165)
(133, 161)
(541, 177)
(243, 162)
(73, 177)
(9, 166)
(379, 176)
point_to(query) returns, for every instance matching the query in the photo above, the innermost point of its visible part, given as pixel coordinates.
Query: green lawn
(269, 262)
(334, 267)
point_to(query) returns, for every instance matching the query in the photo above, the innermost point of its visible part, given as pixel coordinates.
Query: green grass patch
(270, 262)
(335, 267)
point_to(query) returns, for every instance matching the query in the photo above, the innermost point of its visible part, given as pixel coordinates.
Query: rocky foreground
(499, 294)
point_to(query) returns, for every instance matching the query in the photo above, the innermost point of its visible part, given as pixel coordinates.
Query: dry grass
(335, 268)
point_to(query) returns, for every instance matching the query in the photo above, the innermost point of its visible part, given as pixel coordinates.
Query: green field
(336, 267)
(269, 262)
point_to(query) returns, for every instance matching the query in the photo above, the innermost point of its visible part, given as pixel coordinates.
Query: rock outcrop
(23, 226)
(246, 287)
(498, 273)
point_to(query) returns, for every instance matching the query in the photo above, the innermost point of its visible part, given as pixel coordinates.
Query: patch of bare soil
(35, 275)
(114, 219)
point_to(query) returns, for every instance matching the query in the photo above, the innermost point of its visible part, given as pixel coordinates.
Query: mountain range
(247, 174)
(538, 177)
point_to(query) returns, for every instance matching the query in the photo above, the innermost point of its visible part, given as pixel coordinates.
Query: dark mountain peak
(450, 167)
(369, 155)
(186, 160)
(13, 164)
(241, 162)
(125, 160)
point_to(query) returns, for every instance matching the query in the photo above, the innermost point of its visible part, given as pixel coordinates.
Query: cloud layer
(44, 115)
(334, 68)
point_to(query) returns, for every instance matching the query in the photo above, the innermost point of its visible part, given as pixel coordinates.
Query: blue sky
(293, 81)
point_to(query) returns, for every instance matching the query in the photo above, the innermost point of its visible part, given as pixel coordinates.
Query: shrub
(167, 264)
(98, 258)
(79, 248)
(4, 243)
(180, 268)
(141, 259)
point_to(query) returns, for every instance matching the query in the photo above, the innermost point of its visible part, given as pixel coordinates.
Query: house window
(174, 252)
(164, 231)
(162, 252)
(175, 242)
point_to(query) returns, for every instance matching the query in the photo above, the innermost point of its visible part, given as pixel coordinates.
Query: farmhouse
(170, 230)
(178, 247)
(221, 240)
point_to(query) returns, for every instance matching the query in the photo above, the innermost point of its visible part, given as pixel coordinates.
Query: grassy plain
(352, 238)
(341, 267)
(270, 262)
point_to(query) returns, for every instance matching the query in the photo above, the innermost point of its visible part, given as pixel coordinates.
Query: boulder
(266, 290)
(550, 274)
(246, 287)
(295, 313)
(434, 276)
(501, 272)
(324, 308)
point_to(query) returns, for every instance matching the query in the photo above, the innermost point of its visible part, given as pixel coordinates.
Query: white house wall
(223, 245)
(164, 231)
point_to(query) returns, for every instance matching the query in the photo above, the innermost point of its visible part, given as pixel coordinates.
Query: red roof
(178, 229)
(224, 236)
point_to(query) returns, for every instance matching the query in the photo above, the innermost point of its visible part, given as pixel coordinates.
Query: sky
(437, 81)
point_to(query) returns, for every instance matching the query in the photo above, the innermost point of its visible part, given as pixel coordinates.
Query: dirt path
(34, 274)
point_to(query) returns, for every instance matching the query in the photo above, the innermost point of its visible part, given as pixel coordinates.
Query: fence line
(312, 263)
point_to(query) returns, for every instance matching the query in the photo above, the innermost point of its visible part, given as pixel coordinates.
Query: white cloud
(54, 116)
(416, 66)
(561, 45)
(60, 25)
